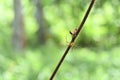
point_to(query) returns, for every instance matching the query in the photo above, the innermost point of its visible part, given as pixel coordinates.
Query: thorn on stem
(74, 32)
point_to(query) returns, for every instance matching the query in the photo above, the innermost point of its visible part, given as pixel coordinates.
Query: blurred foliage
(81, 64)
(95, 58)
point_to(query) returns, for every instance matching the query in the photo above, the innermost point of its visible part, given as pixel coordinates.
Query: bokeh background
(35, 33)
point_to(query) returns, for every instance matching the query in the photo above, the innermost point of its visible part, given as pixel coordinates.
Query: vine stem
(73, 39)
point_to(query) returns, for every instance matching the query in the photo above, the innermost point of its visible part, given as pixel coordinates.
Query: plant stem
(73, 39)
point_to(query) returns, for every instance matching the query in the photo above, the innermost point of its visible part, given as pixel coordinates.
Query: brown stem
(72, 40)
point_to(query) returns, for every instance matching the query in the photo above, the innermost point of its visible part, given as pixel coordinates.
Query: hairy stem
(73, 39)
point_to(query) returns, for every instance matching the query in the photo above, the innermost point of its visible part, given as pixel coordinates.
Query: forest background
(35, 33)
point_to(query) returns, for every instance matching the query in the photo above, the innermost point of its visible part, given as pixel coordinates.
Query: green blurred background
(35, 33)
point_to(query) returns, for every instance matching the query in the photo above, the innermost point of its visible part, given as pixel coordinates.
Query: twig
(74, 36)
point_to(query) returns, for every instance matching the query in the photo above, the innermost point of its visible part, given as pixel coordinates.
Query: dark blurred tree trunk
(42, 31)
(18, 27)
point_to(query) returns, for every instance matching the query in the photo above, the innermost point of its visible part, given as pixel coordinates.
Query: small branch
(74, 36)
